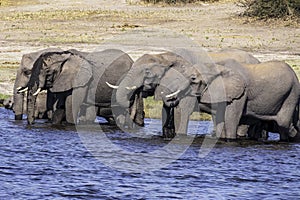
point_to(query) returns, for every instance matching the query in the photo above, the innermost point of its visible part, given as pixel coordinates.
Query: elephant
(241, 94)
(142, 80)
(79, 83)
(22, 78)
(45, 101)
(145, 75)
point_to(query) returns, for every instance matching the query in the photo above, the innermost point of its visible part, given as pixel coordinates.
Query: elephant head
(145, 76)
(215, 76)
(212, 83)
(22, 78)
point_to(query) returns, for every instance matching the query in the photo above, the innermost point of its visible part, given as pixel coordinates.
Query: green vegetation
(265, 9)
(2, 98)
(153, 109)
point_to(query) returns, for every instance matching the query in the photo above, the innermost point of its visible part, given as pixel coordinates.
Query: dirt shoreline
(90, 25)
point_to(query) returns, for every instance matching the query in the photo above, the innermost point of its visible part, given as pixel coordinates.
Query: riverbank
(32, 25)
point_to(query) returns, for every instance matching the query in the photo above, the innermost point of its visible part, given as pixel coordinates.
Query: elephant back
(109, 66)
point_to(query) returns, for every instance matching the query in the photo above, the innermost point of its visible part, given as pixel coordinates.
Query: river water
(46, 162)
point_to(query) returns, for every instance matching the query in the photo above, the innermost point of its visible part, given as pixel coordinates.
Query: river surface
(46, 162)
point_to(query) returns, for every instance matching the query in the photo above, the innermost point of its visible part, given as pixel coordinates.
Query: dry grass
(17, 2)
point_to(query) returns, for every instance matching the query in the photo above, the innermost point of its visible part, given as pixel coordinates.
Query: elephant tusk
(37, 92)
(23, 90)
(131, 88)
(18, 88)
(112, 86)
(173, 94)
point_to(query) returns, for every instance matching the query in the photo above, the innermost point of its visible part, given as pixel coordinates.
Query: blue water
(46, 162)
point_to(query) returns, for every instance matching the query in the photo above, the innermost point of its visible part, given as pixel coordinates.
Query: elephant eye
(148, 73)
(27, 72)
(193, 78)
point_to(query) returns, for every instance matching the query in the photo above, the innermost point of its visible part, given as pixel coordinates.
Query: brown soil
(97, 24)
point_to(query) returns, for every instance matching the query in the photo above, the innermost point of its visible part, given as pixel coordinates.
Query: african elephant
(142, 80)
(22, 78)
(78, 81)
(145, 76)
(267, 92)
(45, 101)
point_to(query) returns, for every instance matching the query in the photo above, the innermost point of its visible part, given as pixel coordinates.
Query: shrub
(264, 9)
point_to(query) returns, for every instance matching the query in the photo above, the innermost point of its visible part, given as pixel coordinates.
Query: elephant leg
(69, 112)
(78, 96)
(233, 114)
(58, 116)
(168, 122)
(182, 114)
(243, 130)
(90, 114)
(219, 120)
(51, 104)
(284, 117)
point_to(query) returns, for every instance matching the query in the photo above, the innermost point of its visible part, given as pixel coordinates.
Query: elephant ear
(226, 87)
(75, 72)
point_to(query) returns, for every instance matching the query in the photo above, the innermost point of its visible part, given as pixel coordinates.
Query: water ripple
(47, 162)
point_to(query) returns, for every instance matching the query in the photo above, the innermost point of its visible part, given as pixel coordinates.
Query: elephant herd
(246, 98)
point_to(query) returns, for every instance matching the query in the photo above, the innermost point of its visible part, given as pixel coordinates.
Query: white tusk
(131, 88)
(37, 92)
(173, 94)
(19, 88)
(24, 90)
(112, 86)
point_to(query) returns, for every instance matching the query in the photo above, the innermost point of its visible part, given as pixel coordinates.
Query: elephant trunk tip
(19, 117)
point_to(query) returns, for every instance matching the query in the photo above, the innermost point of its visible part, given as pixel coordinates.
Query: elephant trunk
(31, 101)
(132, 81)
(18, 105)
(137, 110)
(173, 87)
(18, 99)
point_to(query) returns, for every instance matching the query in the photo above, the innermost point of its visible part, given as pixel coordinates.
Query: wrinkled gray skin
(41, 106)
(267, 92)
(145, 76)
(236, 54)
(78, 81)
(22, 78)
